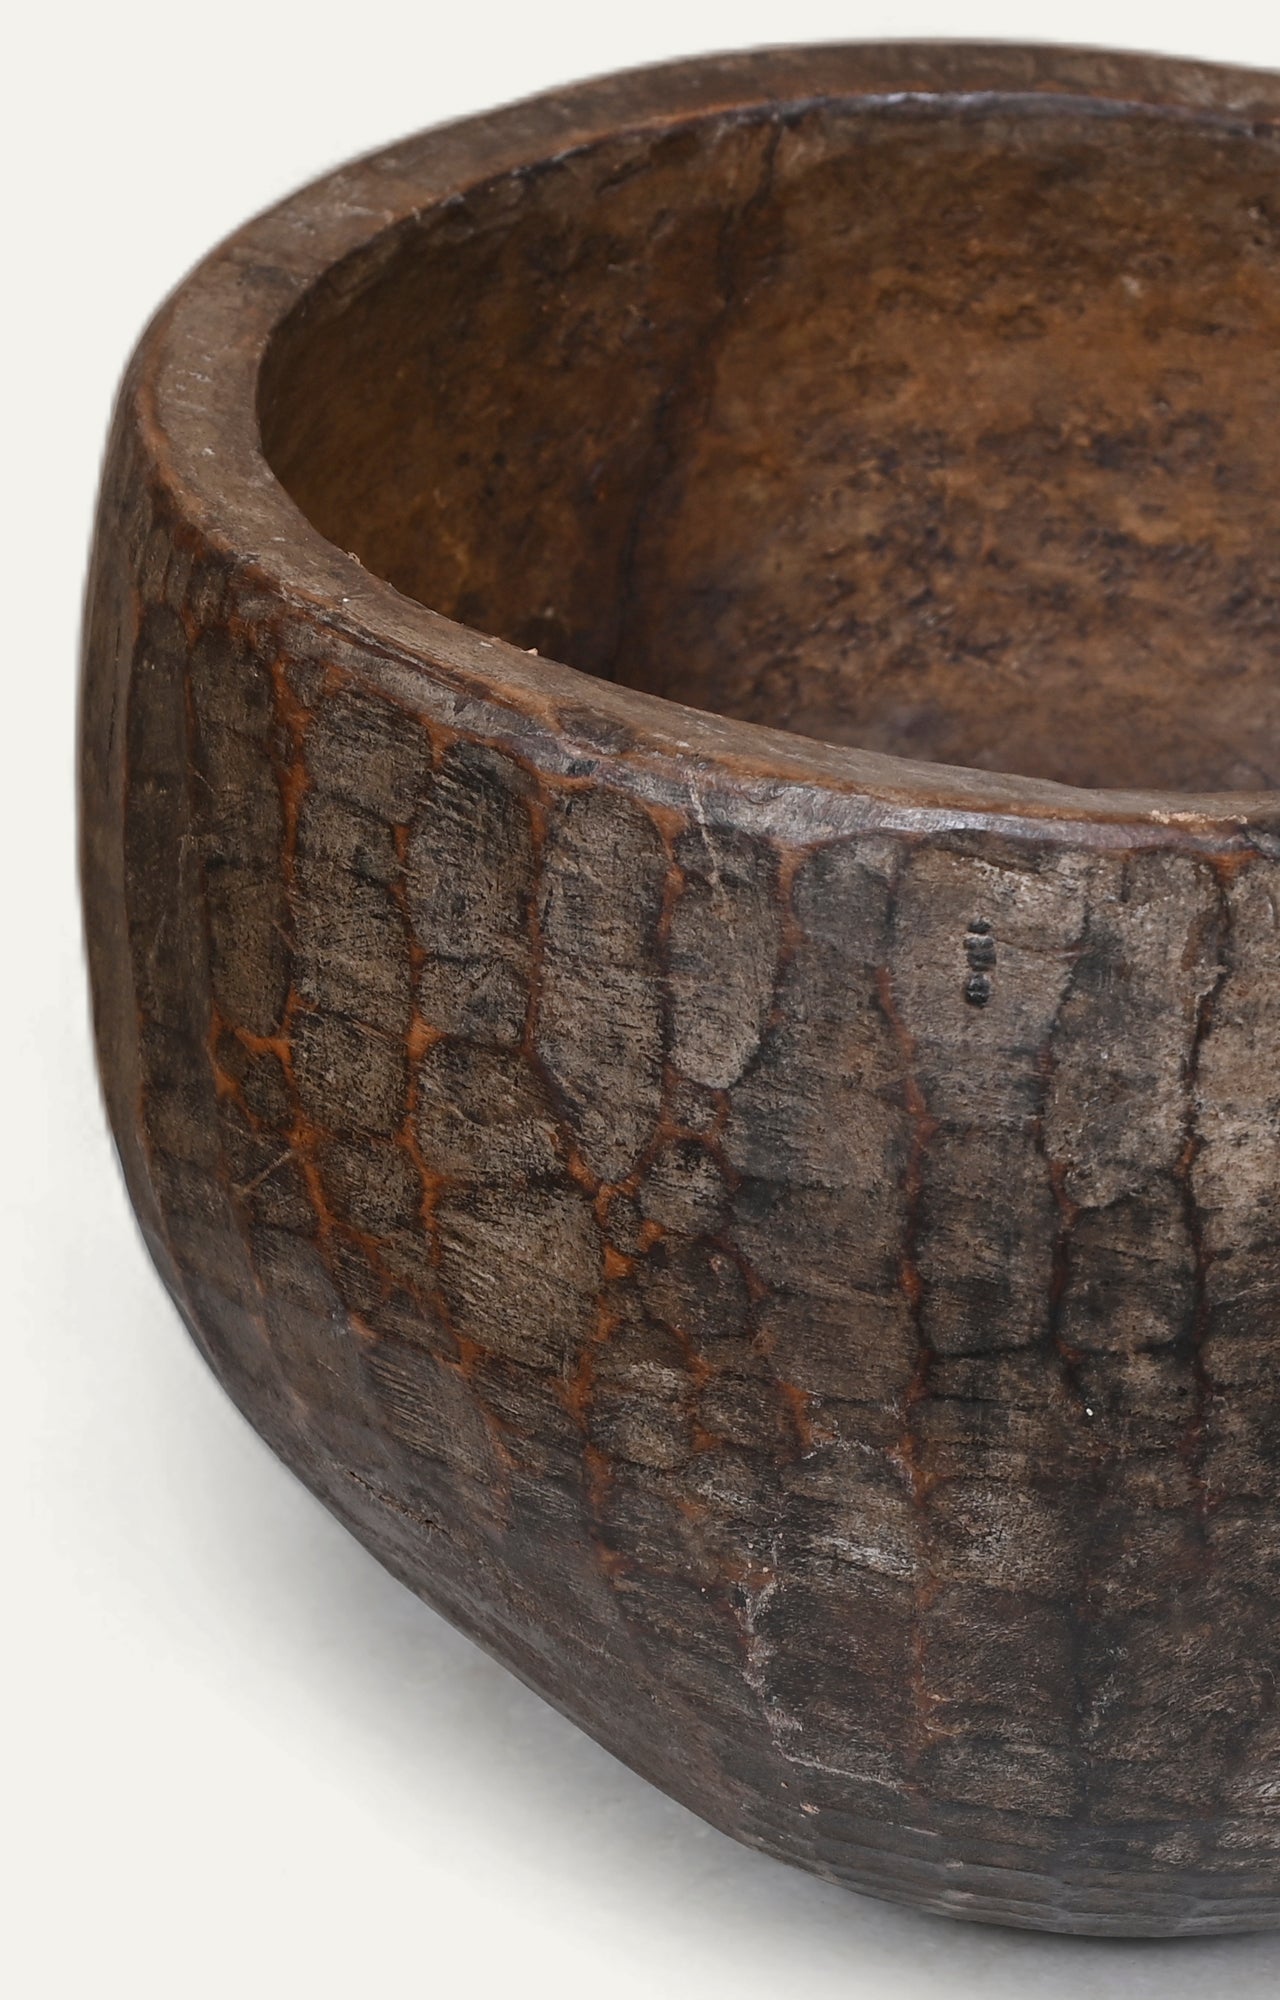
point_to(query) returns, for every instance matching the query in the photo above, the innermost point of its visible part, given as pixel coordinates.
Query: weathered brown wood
(778, 1241)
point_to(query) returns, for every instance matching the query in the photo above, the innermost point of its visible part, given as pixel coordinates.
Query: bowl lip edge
(191, 394)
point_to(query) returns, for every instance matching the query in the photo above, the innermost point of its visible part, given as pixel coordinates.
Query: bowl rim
(192, 391)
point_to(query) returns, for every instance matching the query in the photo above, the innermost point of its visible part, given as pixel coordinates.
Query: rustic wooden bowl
(769, 1222)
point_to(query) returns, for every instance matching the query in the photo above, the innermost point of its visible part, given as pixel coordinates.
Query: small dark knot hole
(980, 952)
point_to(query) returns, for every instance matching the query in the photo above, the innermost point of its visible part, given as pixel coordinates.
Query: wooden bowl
(766, 1219)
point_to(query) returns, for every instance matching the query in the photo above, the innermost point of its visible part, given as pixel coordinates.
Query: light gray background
(241, 1760)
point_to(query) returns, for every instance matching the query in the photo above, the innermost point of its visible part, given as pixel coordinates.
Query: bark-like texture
(779, 1244)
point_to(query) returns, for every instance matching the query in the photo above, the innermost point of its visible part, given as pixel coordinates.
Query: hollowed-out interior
(946, 431)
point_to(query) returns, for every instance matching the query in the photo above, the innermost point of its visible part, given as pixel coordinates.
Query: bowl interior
(945, 429)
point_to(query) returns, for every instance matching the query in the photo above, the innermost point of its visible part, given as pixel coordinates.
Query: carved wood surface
(776, 1241)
